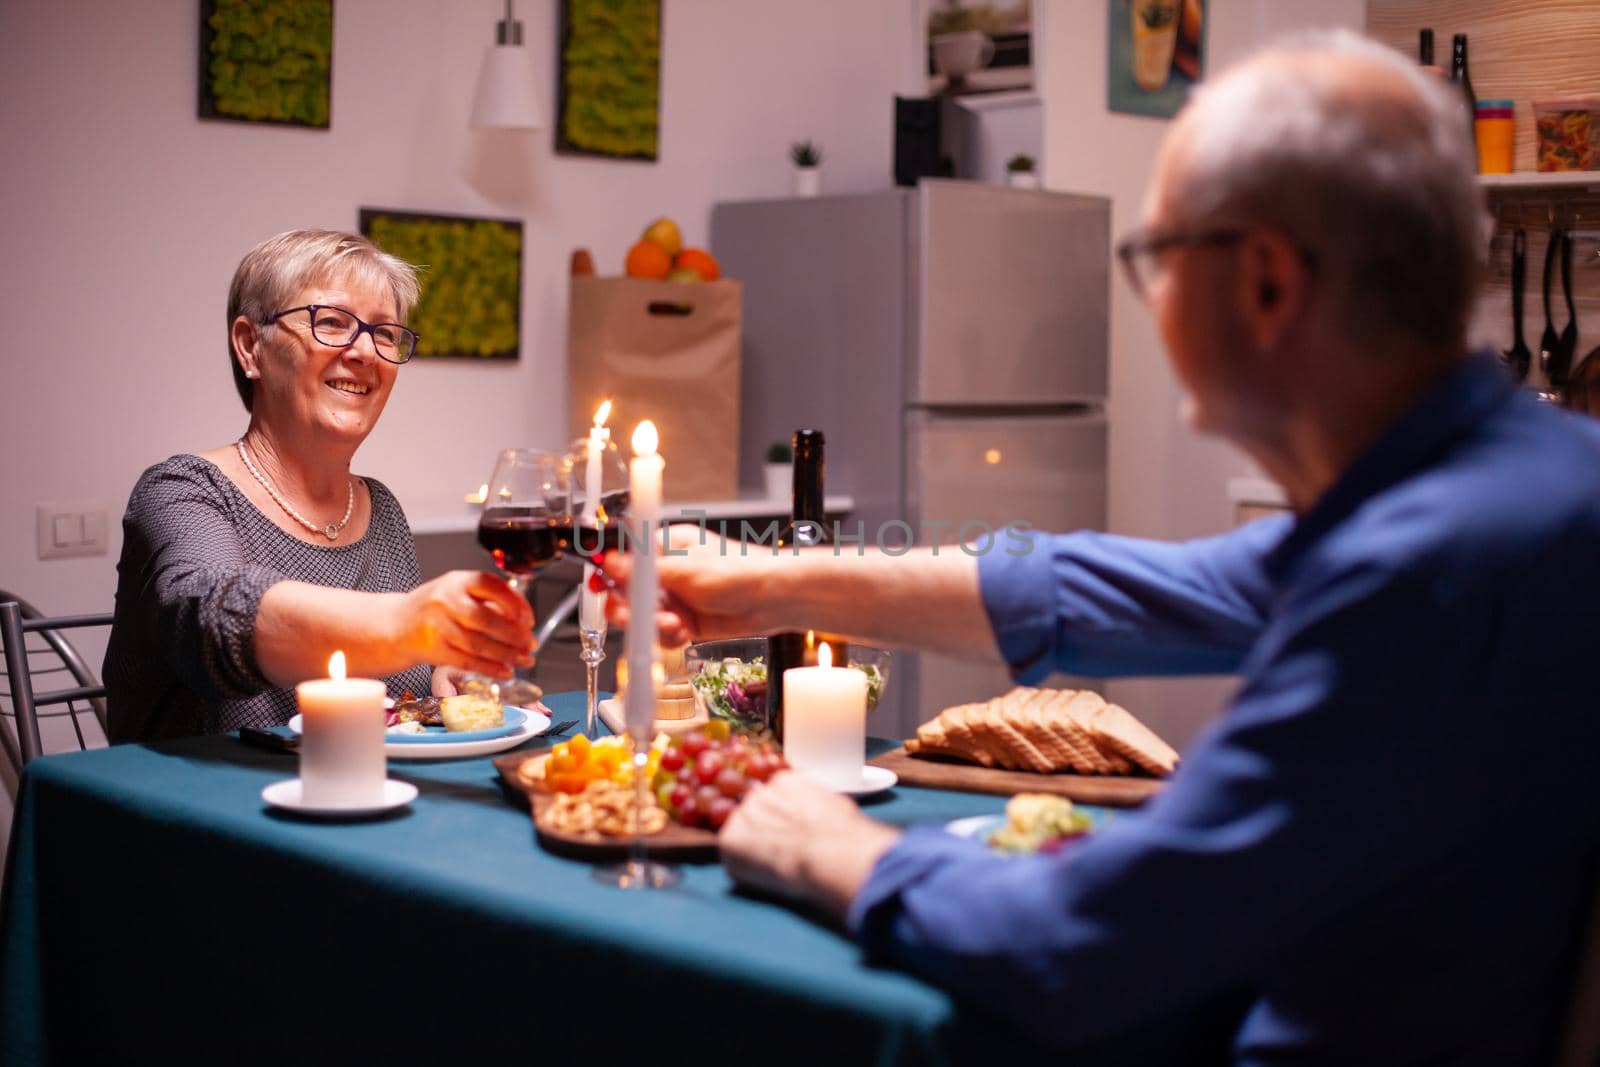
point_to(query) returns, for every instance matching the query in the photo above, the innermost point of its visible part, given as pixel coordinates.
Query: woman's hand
(447, 681)
(468, 620)
(715, 587)
(794, 838)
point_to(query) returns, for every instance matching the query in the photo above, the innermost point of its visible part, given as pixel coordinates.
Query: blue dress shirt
(1387, 838)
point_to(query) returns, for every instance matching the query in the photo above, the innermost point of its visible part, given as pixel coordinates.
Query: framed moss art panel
(470, 270)
(267, 61)
(609, 91)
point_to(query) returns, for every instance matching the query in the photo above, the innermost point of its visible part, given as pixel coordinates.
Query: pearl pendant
(331, 532)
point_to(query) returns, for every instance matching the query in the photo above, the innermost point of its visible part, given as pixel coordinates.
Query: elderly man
(1381, 850)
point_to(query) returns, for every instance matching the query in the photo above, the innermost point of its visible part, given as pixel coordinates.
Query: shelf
(1530, 179)
(748, 507)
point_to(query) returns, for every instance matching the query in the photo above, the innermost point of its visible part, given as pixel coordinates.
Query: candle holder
(593, 654)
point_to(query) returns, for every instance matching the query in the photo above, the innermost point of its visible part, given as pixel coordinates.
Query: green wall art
(266, 61)
(610, 80)
(470, 270)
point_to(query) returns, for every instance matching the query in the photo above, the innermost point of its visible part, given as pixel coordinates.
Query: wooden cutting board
(683, 844)
(934, 773)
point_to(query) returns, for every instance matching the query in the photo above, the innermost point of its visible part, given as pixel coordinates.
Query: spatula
(1550, 341)
(1567, 346)
(1517, 357)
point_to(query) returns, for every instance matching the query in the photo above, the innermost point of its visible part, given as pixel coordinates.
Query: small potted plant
(1020, 172)
(779, 470)
(807, 160)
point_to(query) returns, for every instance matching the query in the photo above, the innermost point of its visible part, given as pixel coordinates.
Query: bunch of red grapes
(705, 773)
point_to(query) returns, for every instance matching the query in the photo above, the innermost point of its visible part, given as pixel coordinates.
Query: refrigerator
(951, 342)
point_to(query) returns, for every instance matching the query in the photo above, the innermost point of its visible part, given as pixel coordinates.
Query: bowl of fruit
(729, 678)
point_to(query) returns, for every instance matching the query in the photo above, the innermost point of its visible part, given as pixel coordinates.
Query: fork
(557, 728)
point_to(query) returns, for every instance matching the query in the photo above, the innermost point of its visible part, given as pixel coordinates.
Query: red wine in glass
(523, 539)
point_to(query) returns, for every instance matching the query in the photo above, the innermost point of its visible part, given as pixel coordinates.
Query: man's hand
(793, 838)
(714, 587)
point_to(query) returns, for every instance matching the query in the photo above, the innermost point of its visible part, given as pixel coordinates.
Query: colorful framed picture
(470, 270)
(1156, 52)
(609, 90)
(267, 61)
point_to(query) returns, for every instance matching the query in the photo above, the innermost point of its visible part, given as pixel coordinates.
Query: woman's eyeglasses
(338, 328)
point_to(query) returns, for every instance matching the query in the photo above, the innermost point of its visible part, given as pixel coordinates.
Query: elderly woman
(244, 566)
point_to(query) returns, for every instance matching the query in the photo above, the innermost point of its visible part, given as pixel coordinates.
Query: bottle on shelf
(806, 527)
(1425, 49)
(1460, 76)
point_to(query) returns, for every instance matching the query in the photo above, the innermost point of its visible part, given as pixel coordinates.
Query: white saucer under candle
(342, 762)
(825, 722)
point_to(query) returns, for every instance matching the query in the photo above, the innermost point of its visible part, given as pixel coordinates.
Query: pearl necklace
(330, 531)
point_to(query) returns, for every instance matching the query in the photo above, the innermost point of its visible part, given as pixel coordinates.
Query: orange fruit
(700, 261)
(648, 260)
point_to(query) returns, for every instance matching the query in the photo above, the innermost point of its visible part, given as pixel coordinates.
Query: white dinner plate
(538, 719)
(873, 780)
(286, 794)
(978, 826)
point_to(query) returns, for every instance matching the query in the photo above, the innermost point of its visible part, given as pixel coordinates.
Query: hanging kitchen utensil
(1567, 346)
(1550, 340)
(1517, 357)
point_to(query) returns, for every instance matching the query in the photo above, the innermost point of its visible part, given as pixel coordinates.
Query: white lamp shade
(506, 96)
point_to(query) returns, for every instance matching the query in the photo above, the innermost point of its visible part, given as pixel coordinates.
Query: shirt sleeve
(1185, 898)
(1102, 605)
(197, 590)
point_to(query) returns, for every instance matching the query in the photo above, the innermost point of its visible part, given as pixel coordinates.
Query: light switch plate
(71, 528)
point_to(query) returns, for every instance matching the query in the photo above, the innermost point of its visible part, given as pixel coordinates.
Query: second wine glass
(527, 518)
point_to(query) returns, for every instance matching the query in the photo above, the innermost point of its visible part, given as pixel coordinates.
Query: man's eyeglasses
(1141, 251)
(338, 328)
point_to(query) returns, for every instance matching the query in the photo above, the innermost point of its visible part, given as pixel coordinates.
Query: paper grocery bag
(668, 352)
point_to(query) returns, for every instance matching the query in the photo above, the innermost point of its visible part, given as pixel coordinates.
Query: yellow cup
(1495, 130)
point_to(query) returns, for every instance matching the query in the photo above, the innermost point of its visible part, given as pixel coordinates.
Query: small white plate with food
(466, 730)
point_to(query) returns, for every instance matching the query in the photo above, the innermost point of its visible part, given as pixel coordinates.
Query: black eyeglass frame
(361, 328)
(1148, 242)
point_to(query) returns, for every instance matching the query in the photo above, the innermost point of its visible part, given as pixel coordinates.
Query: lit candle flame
(824, 655)
(336, 666)
(645, 439)
(601, 414)
(480, 496)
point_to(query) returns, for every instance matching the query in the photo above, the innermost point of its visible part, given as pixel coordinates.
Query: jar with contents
(1494, 128)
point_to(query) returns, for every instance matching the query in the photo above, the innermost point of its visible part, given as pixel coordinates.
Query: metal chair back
(18, 619)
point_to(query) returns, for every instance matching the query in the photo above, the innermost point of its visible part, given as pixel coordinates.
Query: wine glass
(526, 520)
(599, 501)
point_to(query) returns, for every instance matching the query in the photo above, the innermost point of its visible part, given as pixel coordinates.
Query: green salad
(736, 690)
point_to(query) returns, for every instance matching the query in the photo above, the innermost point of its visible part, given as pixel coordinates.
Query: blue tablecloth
(155, 907)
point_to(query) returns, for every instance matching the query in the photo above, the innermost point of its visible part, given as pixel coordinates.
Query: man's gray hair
(1373, 172)
(275, 270)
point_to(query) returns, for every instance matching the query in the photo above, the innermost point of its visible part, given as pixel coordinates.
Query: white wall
(124, 217)
(1165, 481)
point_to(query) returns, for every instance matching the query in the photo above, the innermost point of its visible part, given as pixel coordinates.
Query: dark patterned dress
(197, 556)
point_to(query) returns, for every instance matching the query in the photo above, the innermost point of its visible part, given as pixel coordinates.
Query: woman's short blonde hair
(275, 270)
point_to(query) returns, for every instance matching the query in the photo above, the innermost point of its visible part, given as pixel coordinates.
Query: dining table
(155, 907)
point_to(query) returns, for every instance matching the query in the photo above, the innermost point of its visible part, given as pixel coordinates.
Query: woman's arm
(463, 619)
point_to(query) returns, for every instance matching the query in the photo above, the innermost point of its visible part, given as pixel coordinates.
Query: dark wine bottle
(1425, 47)
(1459, 75)
(806, 527)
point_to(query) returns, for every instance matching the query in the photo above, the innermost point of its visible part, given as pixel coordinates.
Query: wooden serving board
(680, 843)
(935, 773)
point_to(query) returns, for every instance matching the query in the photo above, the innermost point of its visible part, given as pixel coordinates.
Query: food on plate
(1046, 730)
(572, 766)
(466, 711)
(410, 727)
(601, 807)
(1039, 822)
(703, 774)
(414, 709)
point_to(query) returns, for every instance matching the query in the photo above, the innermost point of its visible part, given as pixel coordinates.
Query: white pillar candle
(341, 739)
(825, 721)
(591, 605)
(644, 507)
